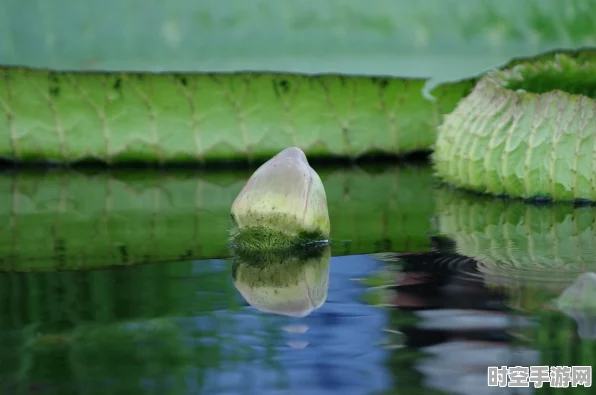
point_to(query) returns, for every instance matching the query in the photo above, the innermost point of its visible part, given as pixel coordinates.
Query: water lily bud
(287, 283)
(282, 204)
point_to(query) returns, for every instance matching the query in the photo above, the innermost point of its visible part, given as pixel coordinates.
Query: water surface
(426, 287)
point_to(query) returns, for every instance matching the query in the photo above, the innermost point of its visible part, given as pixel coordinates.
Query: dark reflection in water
(453, 327)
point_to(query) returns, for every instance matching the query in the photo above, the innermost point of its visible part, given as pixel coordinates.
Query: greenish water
(422, 289)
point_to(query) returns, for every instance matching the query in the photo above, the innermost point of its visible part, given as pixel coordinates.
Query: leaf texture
(528, 131)
(198, 118)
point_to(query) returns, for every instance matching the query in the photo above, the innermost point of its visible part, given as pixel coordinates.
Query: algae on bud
(290, 282)
(283, 204)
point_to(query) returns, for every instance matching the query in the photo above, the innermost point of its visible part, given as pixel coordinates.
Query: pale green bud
(282, 204)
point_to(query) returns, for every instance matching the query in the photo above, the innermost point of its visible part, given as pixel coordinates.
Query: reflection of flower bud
(282, 203)
(287, 283)
(578, 301)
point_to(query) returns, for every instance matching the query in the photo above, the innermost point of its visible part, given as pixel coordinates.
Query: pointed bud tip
(293, 152)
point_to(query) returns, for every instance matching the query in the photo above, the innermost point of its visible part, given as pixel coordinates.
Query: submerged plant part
(143, 346)
(579, 302)
(528, 131)
(291, 283)
(283, 204)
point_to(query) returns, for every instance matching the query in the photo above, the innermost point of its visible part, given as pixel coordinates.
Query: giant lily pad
(528, 131)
